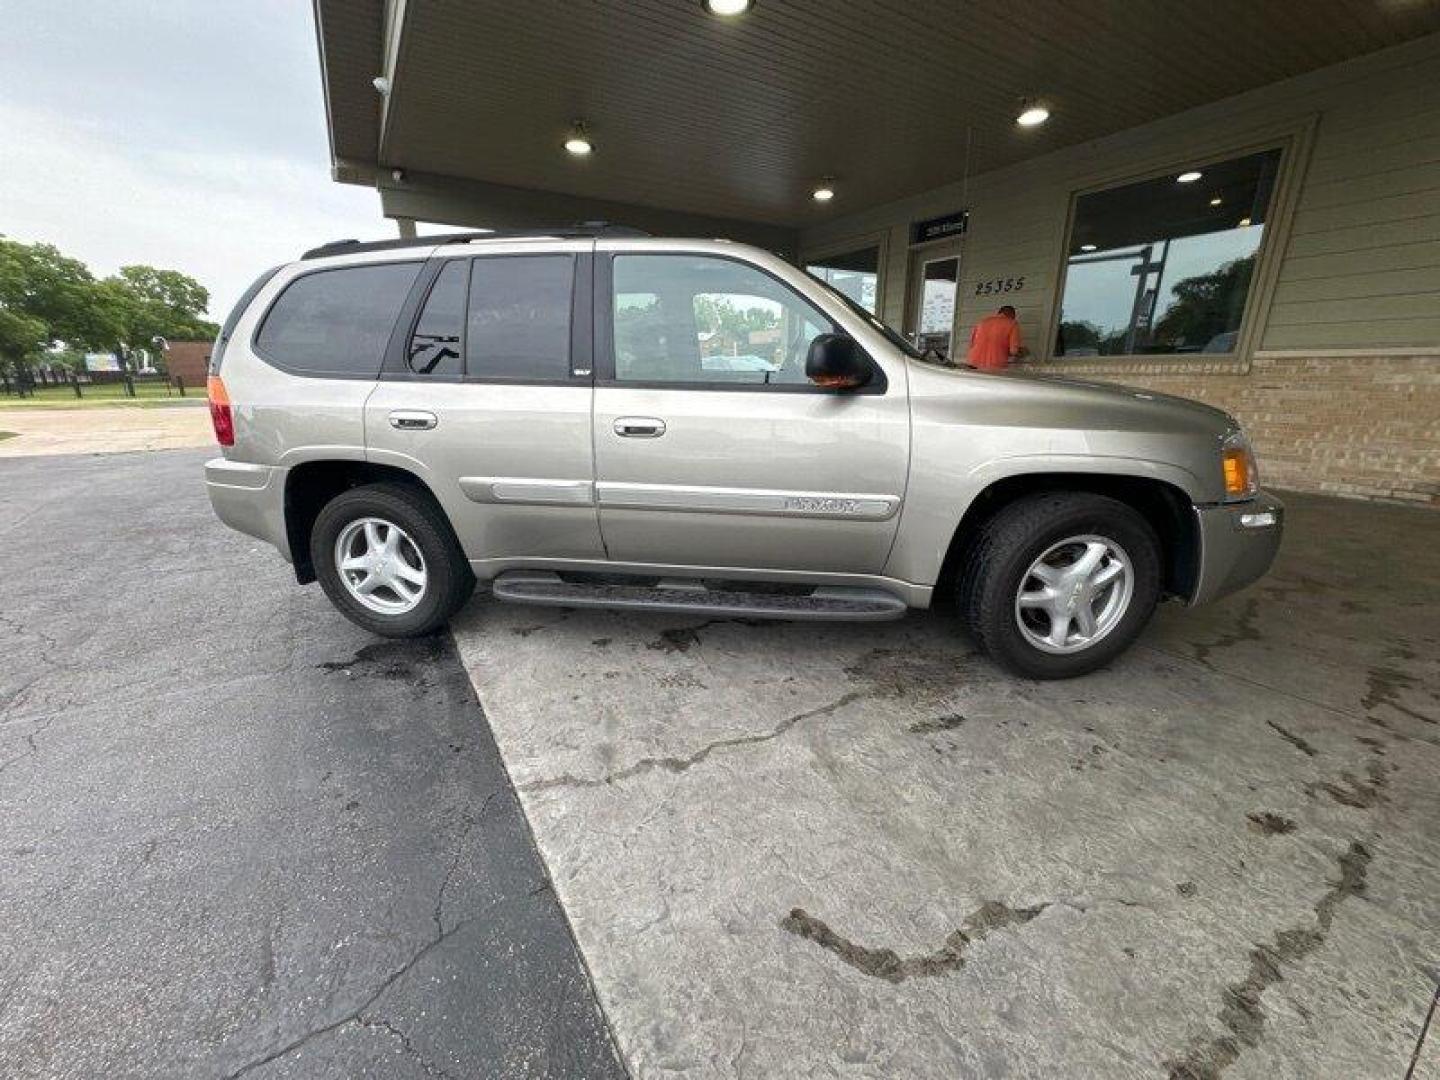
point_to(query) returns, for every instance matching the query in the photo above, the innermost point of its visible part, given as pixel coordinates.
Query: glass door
(930, 312)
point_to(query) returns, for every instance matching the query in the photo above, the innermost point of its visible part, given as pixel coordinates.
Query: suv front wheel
(1060, 584)
(386, 557)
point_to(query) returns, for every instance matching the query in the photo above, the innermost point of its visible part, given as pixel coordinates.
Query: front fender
(942, 491)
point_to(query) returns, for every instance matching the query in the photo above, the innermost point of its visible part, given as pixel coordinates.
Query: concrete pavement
(826, 850)
(97, 430)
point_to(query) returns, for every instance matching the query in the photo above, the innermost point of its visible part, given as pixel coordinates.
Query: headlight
(1237, 464)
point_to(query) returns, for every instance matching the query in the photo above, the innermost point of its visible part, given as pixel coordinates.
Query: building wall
(1338, 370)
(190, 360)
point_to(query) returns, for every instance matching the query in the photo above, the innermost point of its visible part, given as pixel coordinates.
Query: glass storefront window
(1164, 266)
(855, 274)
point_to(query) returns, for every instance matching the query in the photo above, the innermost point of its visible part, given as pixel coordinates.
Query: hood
(1031, 398)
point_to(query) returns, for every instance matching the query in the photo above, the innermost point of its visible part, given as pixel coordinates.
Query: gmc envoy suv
(596, 418)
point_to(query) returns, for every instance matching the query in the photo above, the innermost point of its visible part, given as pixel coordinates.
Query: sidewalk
(103, 431)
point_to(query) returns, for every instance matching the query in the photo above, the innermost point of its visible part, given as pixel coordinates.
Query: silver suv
(593, 417)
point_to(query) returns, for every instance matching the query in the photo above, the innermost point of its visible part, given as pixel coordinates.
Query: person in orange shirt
(995, 341)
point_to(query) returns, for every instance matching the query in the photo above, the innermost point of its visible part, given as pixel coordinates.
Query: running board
(692, 597)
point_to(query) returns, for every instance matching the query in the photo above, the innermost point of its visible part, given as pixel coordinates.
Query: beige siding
(1361, 264)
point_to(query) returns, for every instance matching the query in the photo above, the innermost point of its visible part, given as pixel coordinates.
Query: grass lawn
(108, 395)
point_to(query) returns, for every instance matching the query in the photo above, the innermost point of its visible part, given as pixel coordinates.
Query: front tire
(389, 561)
(1059, 584)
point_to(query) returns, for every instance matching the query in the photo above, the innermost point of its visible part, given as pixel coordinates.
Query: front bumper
(250, 499)
(1238, 542)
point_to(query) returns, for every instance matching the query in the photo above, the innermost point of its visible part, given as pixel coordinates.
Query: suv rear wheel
(1060, 584)
(387, 558)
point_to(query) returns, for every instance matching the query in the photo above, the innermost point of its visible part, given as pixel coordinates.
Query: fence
(110, 385)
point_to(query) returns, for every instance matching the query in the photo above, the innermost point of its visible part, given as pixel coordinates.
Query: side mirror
(837, 362)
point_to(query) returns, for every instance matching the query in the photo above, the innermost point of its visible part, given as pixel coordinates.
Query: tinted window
(435, 344)
(519, 324)
(336, 322)
(1165, 265)
(693, 319)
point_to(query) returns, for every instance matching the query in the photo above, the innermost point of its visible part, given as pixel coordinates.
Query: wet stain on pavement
(1351, 791)
(681, 638)
(1242, 1012)
(398, 660)
(936, 724)
(1267, 824)
(1293, 739)
(889, 965)
(1383, 686)
(1187, 889)
(915, 673)
(1244, 630)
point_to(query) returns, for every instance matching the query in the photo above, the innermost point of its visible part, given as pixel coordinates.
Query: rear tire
(1059, 584)
(388, 560)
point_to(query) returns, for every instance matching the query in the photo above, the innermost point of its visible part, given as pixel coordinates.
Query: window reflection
(854, 274)
(1164, 266)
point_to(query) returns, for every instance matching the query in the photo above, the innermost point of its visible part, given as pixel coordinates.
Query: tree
(47, 299)
(38, 282)
(1206, 305)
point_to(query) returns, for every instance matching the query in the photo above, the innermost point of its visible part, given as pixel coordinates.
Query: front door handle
(412, 420)
(639, 427)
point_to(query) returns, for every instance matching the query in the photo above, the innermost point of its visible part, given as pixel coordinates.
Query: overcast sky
(187, 134)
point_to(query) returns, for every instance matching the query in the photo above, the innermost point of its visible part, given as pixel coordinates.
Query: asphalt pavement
(241, 837)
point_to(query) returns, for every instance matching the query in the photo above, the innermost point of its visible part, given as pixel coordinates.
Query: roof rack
(585, 230)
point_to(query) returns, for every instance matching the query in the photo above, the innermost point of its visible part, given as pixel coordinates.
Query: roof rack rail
(585, 230)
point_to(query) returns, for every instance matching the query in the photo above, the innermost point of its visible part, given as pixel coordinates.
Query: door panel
(786, 481)
(487, 396)
(511, 464)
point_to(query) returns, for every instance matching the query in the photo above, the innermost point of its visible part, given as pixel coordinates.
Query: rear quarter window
(336, 322)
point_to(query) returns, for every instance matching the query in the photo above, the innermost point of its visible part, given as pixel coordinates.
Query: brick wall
(190, 360)
(1362, 426)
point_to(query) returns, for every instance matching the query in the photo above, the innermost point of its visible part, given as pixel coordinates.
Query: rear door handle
(639, 427)
(412, 420)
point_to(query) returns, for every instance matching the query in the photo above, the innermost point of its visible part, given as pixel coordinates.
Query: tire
(430, 574)
(1053, 533)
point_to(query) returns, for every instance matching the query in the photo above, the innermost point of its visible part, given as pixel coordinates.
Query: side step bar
(692, 597)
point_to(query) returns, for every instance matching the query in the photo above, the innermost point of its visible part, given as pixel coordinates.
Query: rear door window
(519, 322)
(435, 343)
(336, 322)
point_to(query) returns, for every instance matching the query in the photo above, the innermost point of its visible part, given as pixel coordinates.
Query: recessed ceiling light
(1032, 115)
(1087, 247)
(1215, 201)
(578, 142)
(1244, 222)
(727, 9)
(1188, 177)
(824, 191)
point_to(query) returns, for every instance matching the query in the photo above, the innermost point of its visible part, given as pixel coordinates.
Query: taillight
(220, 415)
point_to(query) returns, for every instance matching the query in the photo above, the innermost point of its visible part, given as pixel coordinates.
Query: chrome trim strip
(717, 500)
(526, 490)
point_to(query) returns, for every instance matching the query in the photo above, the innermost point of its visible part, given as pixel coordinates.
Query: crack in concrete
(677, 765)
(32, 748)
(1293, 739)
(1243, 1012)
(887, 964)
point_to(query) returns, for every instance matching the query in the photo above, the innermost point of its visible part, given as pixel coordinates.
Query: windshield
(891, 334)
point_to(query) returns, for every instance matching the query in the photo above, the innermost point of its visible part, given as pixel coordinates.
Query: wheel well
(309, 486)
(1163, 505)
